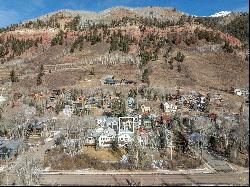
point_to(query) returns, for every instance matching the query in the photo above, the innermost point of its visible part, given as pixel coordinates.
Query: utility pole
(137, 158)
(30, 164)
(171, 150)
(7, 175)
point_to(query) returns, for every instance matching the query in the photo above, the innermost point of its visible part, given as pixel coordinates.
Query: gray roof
(108, 132)
(11, 145)
(195, 137)
(93, 133)
(110, 81)
(107, 119)
(108, 77)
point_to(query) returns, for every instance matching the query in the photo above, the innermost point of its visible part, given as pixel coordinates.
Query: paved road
(216, 163)
(196, 179)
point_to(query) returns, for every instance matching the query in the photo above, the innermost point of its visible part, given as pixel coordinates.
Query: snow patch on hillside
(221, 13)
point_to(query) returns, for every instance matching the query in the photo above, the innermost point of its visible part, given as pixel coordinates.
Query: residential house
(146, 122)
(129, 82)
(145, 109)
(196, 138)
(142, 137)
(2, 99)
(238, 92)
(93, 102)
(126, 125)
(71, 143)
(92, 136)
(216, 100)
(106, 137)
(52, 98)
(67, 111)
(131, 102)
(104, 121)
(137, 121)
(113, 122)
(111, 81)
(56, 92)
(38, 130)
(183, 100)
(169, 107)
(125, 139)
(10, 148)
(51, 106)
(78, 106)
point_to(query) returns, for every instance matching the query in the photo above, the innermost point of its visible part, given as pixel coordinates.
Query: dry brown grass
(104, 154)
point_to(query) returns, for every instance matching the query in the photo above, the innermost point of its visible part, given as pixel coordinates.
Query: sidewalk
(112, 172)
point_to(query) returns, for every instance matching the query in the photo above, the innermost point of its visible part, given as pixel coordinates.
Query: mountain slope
(126, 42)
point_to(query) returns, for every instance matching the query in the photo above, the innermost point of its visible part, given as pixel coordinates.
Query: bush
(227, 47)
(180, 57)
(58, 39)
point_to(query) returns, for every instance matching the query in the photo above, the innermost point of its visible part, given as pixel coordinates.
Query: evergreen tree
(227, 47)
(41, 70)
(58, 39)
(145, 76)
(13, 76)
(92, 72)
(180, 57)
(118, 107)
(115, 144)
(40, 75)
(179, 68)
(39, 80)
(170, 62)
(145, 57)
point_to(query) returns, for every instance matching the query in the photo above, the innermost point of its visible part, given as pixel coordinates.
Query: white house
(111, 122)
(137, 121)
(145, 109)
(2, 99)
(238, 92)
(67, 111)
(106, 137)
(203, 99)
(101, 121)
(131, 102)
(169, 107)
(125, 139)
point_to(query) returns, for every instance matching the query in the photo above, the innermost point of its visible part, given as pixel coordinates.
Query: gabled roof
(130, 99)
(108, 77)
(12, 145)
(107, 119)
(108, 132)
